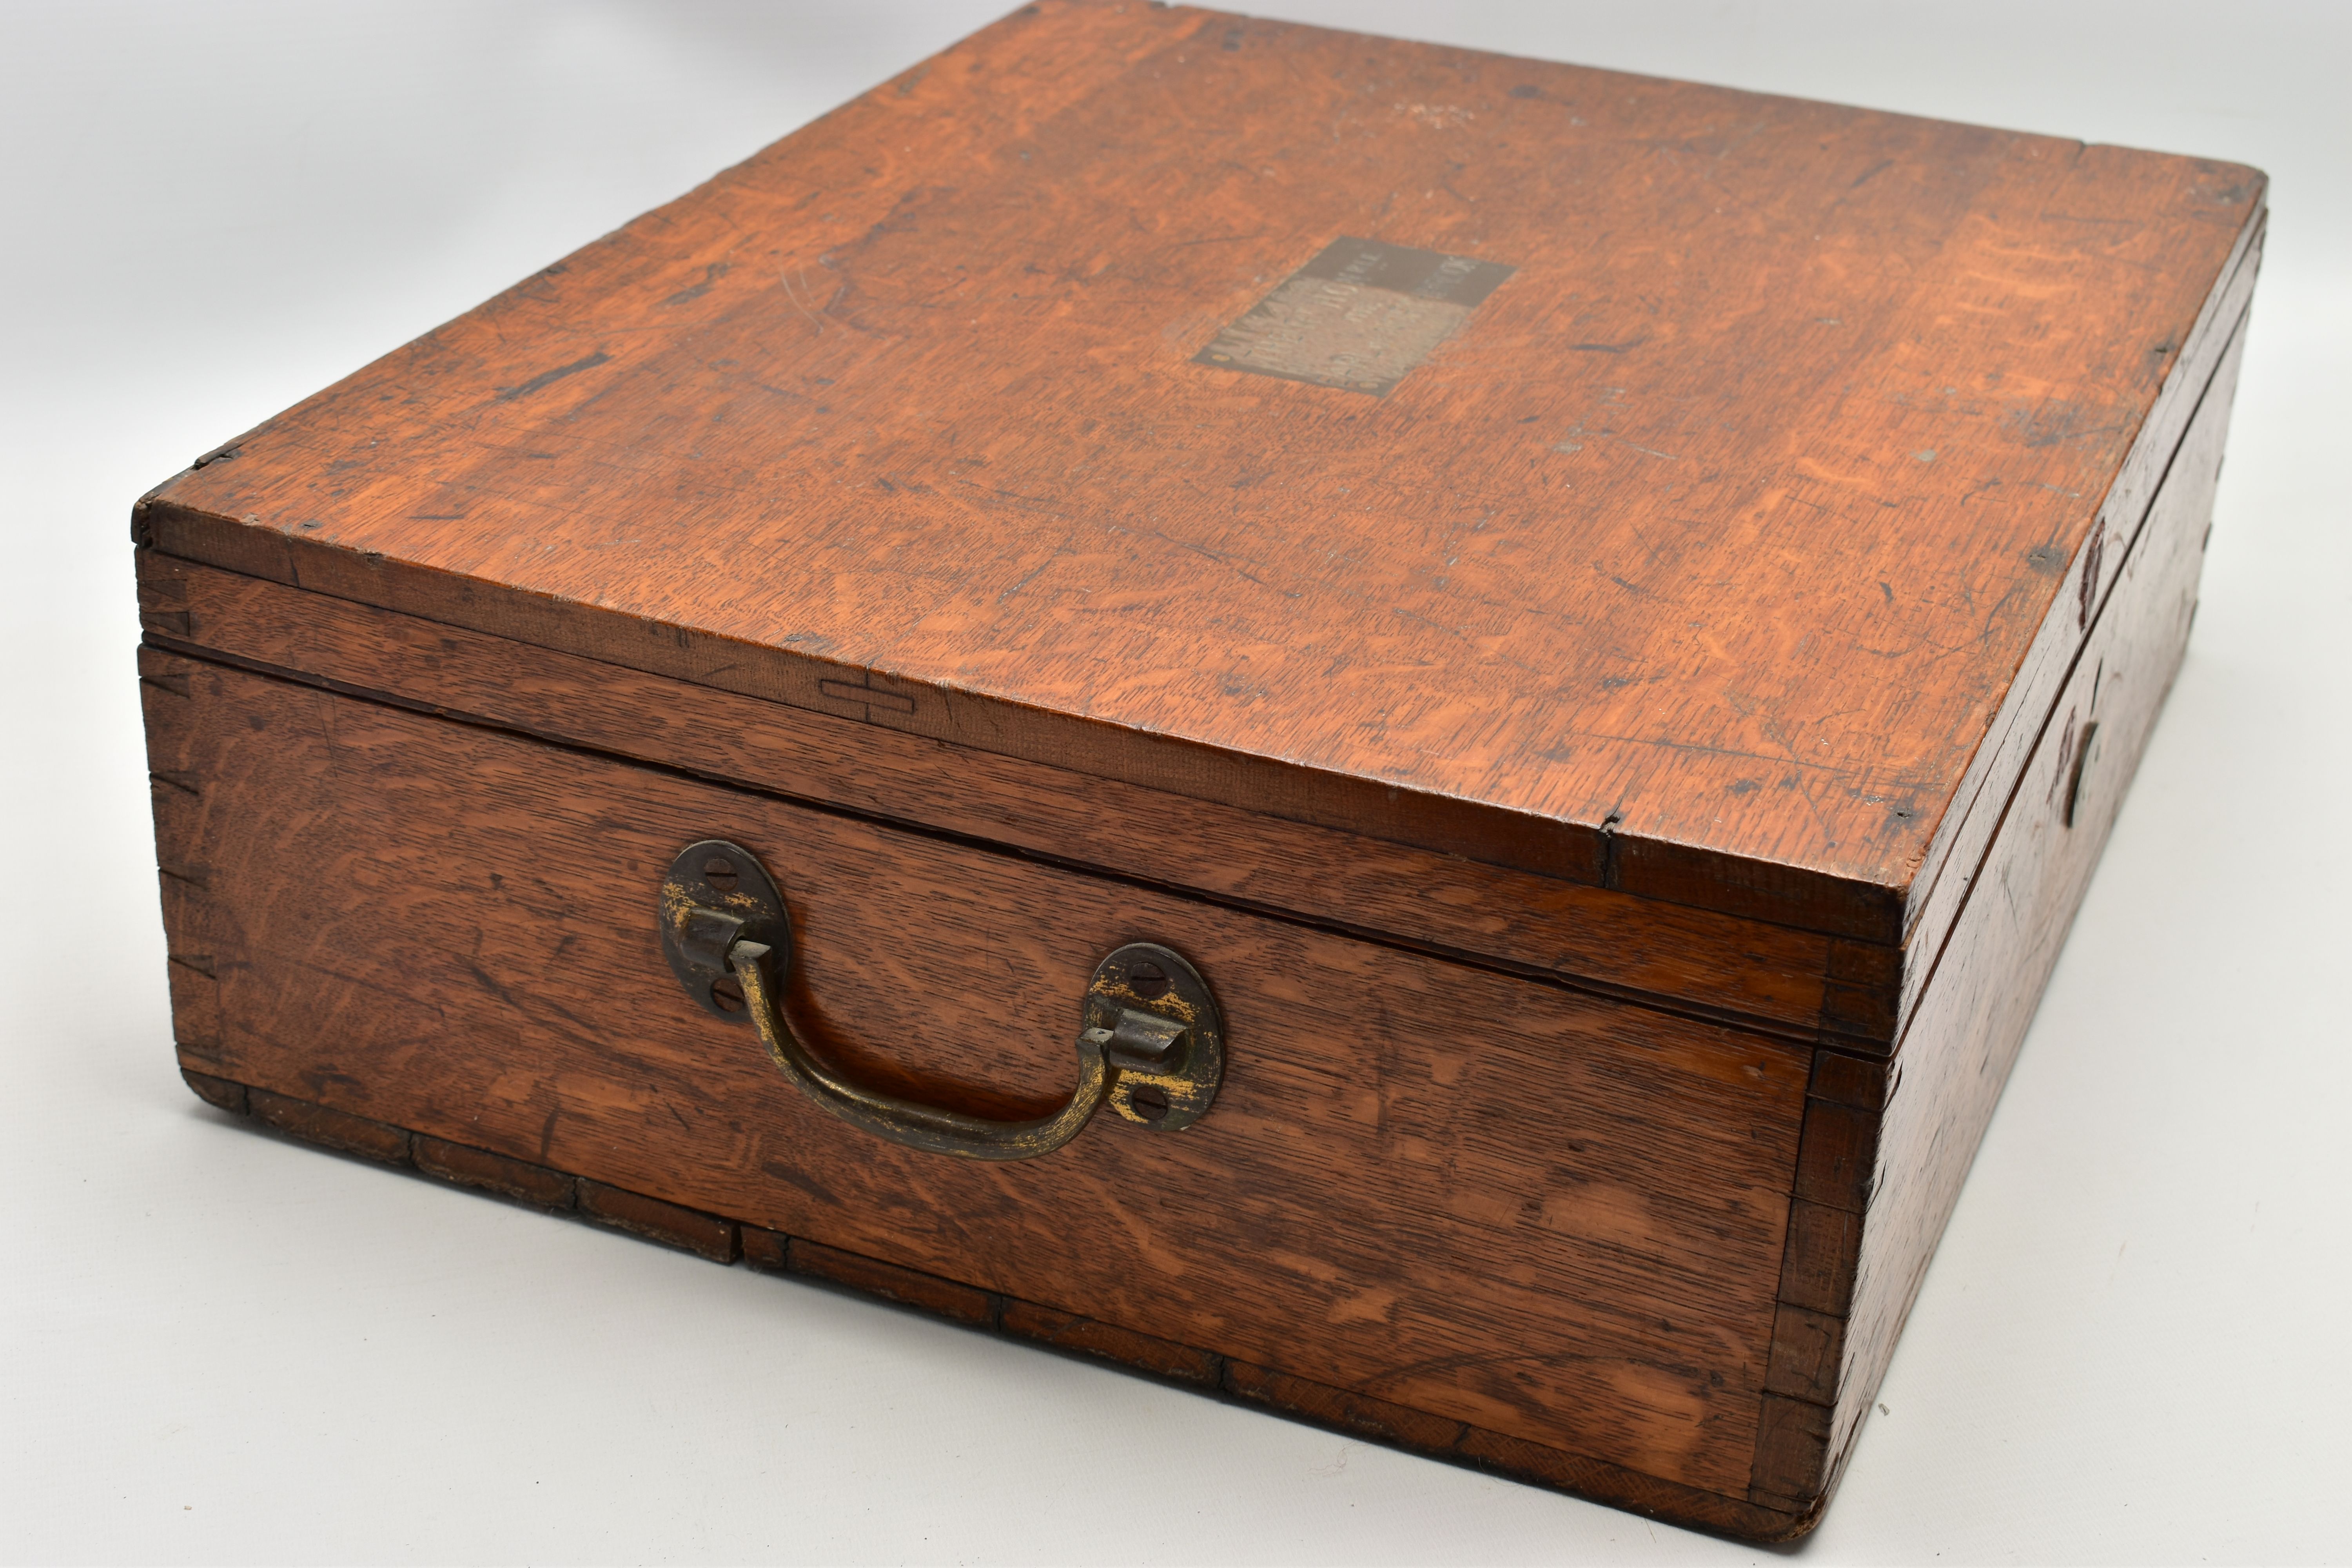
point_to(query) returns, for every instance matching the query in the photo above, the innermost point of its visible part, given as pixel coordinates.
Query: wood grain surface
(1697, 961)
(2199, 384)
(1886, 1145)
(773, 1252)
(1628, 781)
(1499, 1202)
(1703, 561)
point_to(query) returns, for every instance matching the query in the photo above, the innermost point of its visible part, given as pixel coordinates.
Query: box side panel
(1878, 1182)
(197, 936)
(1551, 1216)
(1715, 965)
(724, 1240)
(1941, 890)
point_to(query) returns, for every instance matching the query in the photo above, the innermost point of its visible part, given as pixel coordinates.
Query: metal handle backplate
(1150, 1042)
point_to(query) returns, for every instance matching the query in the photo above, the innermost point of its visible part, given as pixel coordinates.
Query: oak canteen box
(1401, 732)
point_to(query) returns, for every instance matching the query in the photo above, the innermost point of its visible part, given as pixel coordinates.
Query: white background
(216, 1347)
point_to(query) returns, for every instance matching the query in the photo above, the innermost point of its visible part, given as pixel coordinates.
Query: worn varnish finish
(775, 1252)
(1886, 1145)
(1627, 783)
(1669, 955)
(1699, 563)
(1568, 1235)
(2198, 389)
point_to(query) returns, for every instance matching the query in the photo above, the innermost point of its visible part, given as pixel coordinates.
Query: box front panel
(1548, 1216)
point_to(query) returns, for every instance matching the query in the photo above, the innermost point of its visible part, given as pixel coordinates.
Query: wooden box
(1606, 621)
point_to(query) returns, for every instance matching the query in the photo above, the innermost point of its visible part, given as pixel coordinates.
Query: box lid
(1635, 482)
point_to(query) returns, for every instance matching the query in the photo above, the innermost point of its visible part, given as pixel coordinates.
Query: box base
(725, 1240)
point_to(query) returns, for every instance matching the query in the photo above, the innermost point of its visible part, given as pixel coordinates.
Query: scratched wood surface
(1886, 1145)
(2198, 390)
(1714, 964)
(1557, 1218)
(725, 1240)
(1701, 561)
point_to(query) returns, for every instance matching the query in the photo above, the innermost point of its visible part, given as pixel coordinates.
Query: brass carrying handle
(1150, 1044)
